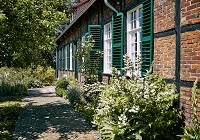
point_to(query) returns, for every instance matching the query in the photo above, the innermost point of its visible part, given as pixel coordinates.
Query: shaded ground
(45, 116)
(9, 111)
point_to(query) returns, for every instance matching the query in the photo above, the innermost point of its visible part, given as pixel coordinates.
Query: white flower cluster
(134, 109)
(123, 120)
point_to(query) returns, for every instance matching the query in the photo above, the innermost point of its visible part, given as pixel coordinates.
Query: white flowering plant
(192, 132)
(137, 108)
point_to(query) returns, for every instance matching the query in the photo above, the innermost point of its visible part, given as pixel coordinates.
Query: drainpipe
(110, 6)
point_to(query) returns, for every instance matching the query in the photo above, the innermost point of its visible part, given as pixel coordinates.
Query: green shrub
(20, 89)
(45, 75)
(34, 83)
(72, 80)
(62, 83)
(16, 80)
(61, 92)
(9, 111)
(138, 108)
(75, 95)
(13, 81)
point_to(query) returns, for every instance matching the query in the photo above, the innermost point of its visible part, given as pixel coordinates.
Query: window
(63, 57)
(134, 24)
(70, 55)
(83, 40)
(67, 55)
(83, 44)
(107, 48)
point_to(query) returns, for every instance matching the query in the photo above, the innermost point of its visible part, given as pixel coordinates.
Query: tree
(27, 30)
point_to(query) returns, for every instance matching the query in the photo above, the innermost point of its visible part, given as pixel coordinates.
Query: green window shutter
(63, 57)
(60, 58)
(68, 57)
(117, 40)
(57, 58)
(73, 58)
(78, 47)
(96, 32)
(147, 36)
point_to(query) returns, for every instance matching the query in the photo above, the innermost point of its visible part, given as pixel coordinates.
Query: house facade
(164, 33)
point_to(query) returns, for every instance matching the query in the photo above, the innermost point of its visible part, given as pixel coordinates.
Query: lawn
(9, 111)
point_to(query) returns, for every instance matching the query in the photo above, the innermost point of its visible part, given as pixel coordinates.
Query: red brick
(185, 89)
(193, 16)
(186, 13)
(195, 66)
(185, 98)
(195, 57)
(188, 102)
(187, 115)
(191, 7)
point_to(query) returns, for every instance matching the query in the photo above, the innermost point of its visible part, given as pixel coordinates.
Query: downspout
(110, 6)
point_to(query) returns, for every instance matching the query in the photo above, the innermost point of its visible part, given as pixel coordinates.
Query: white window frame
(70, 57)
(134, 52)
(83, 44)
(107, 69)
(66, 57)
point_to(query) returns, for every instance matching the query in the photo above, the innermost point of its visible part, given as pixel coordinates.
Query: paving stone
(45, 116)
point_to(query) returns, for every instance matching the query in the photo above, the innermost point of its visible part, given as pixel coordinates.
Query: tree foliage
(27, 30)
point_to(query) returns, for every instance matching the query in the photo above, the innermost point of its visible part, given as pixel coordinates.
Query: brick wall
(190, 56)
(164, 56)
(186, 102)
(190, 12)
(164, 48)
(107, 13)
(163, 15)
(129, 2)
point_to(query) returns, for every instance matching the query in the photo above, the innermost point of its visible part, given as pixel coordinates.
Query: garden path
(45, 116)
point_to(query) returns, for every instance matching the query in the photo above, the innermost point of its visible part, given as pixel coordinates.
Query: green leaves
(193, 132)
(29, 30)
(137, 108)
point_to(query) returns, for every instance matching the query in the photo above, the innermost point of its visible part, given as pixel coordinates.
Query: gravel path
(45, 116)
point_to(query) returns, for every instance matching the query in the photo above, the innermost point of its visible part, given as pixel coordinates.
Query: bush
(72, 80)
(34, 83)
(16, 80)
(138, 108)
(61, 92)
(13, 81)
(9, 111)
(75, 95)
(62, 83)
(45, 75)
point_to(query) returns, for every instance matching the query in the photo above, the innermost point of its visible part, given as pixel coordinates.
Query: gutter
(110, 6)
(80, 14)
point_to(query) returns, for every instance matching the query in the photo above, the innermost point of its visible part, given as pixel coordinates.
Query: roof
(81, 3)
(90, 3)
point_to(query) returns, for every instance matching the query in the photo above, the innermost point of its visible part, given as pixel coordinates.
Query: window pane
(140, 12)
(135, 37)
(132, 26)
(131, 16)
(134, 15)
(140, 22)
(107, 48)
